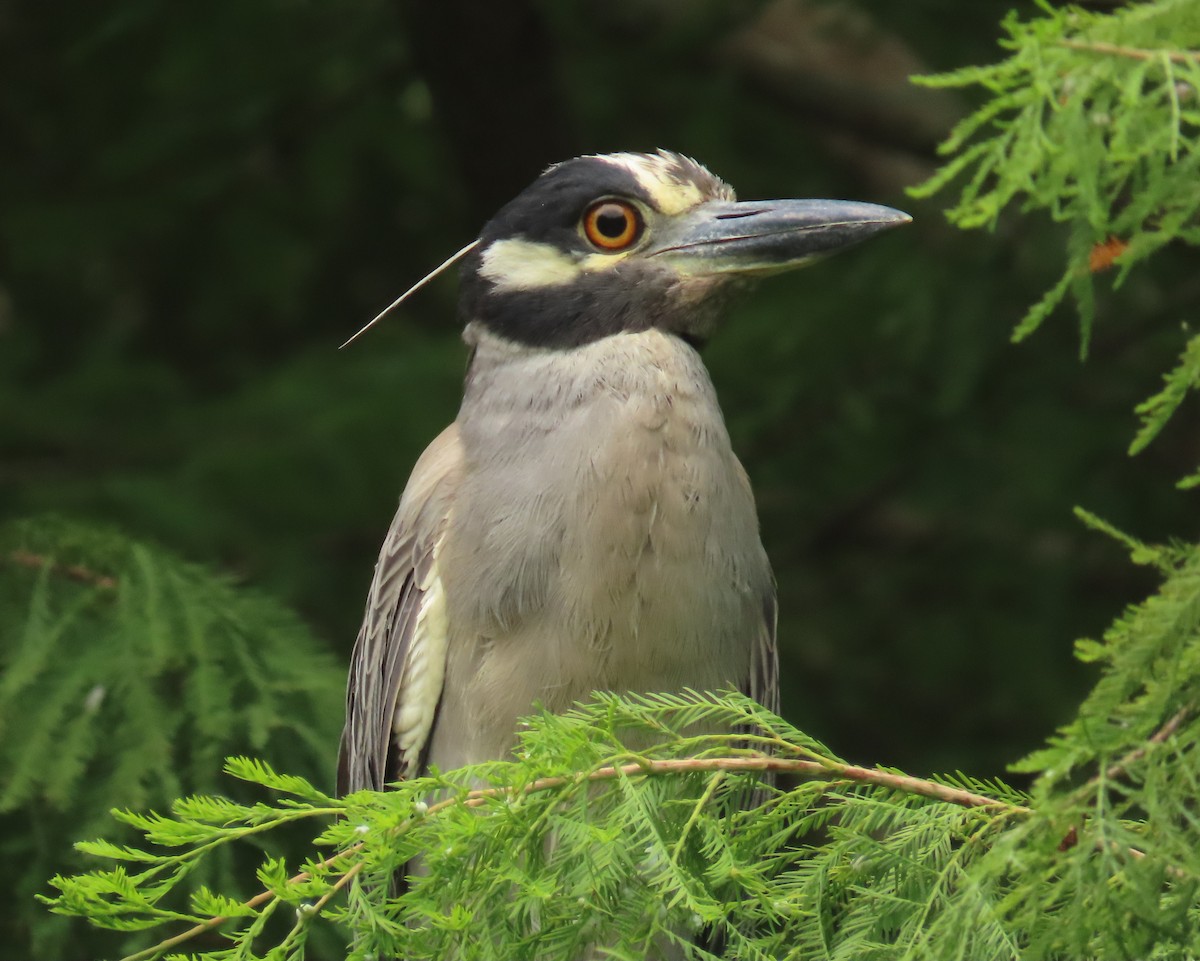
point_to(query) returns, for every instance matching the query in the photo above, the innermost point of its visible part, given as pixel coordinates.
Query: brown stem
(260, 898)
(829, 770)
(1136, 53)
(76, 572)
(1118, 768)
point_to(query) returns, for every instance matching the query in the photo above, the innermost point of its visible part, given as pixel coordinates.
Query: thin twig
(338, 885)
(306, 912)
(713, 783)
(76, 572)
(1119, 768)
(828, 770)
(261, 898)
(1136, 53)
(1138, 854)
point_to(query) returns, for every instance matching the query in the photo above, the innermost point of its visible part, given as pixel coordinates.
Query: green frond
(136, 673)
(1157, 410)
(1084, 120)
(262, 774)
(1038, 313)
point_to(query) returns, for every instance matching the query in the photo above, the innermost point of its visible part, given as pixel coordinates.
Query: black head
(602, 245)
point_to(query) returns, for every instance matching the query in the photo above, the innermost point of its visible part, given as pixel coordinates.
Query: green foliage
(127, 675)
(1156, 411)
(1121, 781)
(623, 823)
(1095, 119)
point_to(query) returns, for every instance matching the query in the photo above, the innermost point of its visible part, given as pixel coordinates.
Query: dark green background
(199, 202)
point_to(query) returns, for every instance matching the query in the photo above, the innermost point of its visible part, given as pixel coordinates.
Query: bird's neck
(537, 388)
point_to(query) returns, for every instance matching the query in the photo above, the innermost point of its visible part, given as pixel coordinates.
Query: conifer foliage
(1094, 118)
(127, 675)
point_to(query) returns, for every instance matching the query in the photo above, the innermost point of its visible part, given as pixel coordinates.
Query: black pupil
(612, 221)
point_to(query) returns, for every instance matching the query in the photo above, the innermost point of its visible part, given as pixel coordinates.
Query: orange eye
(612, 224)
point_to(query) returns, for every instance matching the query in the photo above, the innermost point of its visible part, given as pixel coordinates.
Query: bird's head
(626, 242)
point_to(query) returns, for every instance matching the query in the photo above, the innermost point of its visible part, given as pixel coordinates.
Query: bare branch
(76, 572)
(1135, 53)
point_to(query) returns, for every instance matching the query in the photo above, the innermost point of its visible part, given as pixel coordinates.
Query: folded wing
(399, 659)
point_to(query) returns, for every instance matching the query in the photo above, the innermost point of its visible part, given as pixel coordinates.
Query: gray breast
(604, 536)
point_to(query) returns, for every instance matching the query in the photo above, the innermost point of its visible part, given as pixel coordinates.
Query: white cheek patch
(526, 265)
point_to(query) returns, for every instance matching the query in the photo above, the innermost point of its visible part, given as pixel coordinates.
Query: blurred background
(199, 202)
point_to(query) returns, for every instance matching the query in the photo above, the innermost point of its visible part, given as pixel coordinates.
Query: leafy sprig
(1094, 118)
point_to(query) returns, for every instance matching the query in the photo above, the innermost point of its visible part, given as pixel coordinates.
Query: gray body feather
(583, 525)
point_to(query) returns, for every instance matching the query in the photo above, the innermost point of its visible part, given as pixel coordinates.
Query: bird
(584, 523)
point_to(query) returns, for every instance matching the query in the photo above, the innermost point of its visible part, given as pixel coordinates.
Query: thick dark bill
(769, 235)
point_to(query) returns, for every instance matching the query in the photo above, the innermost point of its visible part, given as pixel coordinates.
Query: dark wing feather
(393, 656)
